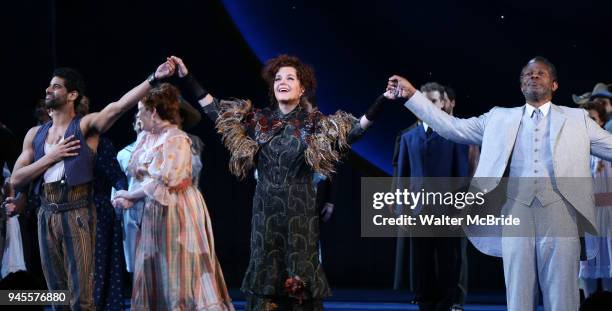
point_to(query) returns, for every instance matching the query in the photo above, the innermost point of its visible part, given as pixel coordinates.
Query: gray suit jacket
(573, 138)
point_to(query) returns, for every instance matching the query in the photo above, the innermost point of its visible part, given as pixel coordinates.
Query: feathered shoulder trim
(328, 143)
(234, 116)
(244, 129)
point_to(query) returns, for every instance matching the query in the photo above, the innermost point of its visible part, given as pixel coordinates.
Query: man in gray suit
(546, 143)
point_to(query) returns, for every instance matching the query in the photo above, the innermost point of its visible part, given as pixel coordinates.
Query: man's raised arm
(101, 121)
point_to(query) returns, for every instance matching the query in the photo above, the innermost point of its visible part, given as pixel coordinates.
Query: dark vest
(78, 169)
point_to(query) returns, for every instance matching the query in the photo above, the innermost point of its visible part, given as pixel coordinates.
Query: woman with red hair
(287, 144)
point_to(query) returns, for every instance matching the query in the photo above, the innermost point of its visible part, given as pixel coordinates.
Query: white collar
(425, 126)
(544, 108)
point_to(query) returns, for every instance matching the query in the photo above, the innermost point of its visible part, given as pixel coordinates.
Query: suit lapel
(557, 119)
(515, 118)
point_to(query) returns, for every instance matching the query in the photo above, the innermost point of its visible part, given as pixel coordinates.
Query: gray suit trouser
(543, 253)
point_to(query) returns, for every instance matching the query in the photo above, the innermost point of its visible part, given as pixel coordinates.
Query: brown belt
(58, 197)
(62, 207)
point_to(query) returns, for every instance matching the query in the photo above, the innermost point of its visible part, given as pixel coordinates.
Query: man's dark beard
(51, 104)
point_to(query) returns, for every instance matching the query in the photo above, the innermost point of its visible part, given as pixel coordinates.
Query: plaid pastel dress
(176, 267)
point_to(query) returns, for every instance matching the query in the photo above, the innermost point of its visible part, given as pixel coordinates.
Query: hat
(191, 116)
(601, 90)
(581, 99)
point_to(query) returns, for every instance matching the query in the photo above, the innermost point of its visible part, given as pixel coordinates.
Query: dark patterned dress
(284, 271)
(109, 259)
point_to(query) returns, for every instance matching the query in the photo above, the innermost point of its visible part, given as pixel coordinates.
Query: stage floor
(388, 300)
(366, 306)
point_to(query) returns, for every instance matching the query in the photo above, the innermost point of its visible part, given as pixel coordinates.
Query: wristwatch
(152, 80)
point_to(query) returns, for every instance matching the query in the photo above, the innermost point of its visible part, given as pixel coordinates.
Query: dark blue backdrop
(477, 47)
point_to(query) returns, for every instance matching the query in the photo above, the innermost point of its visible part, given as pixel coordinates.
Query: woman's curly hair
(165, 99)
(305, 75)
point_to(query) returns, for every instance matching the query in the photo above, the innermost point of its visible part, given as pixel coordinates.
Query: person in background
(600, 267)
(437, 260)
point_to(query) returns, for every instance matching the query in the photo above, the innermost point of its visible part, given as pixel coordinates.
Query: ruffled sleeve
(170, 170)
(235, 122)
(135, 162)
(355, 131)
(331, 140)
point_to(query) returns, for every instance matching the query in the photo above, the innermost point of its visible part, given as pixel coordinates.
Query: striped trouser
(67, 242)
